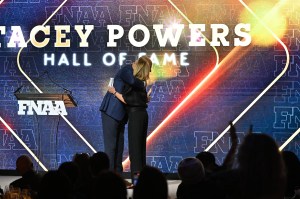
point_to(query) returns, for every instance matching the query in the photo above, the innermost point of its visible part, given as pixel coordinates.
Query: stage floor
(173, 184)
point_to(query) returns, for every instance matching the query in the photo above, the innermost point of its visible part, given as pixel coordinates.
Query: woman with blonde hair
(135, 101)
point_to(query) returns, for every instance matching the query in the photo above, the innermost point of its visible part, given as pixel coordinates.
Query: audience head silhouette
(261, 167)
(30, 179)
(24, 164)
(191, 170)
(55, 184)
(71, 170)
(292, 165)
(109, 185)
(208, 160)
(151, 184)
(83, 162)
(99, 162)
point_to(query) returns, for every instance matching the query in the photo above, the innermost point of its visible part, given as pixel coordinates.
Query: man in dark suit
(114, 117)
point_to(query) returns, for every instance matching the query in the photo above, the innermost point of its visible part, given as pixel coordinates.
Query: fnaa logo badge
(41, 107)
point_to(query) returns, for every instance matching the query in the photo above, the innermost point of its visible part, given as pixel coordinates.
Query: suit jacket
(110, 104)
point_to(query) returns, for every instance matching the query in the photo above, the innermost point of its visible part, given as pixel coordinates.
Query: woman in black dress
(135, 101)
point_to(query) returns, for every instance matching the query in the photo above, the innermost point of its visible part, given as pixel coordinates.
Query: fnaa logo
(41, 107)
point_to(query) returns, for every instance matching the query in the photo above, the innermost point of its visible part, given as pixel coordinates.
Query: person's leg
(137, 128)
(144, 140)
(120, 147)
(110, 131)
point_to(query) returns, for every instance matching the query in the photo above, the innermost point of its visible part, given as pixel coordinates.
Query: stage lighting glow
(268, 87)
(172, 22)
(23, 144)
(175, 25)
(162, 72)
(293, 16)
(272, 16)
(190, 22)
(166, 65)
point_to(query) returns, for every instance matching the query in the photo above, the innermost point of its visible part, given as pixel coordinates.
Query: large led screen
(214, 61)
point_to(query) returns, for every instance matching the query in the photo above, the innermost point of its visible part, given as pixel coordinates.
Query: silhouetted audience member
(109, 185)
(260, 175)
(208, 159)
(99, 162)
(192, 174)
(85, 175)
(30, 179)
(151, 184)
(191, 170)
(292, 166)
(56, 185)
(261, 167)
(71, 170)
(83, 162)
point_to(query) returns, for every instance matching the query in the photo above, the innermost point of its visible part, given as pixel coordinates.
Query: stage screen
(214, 61)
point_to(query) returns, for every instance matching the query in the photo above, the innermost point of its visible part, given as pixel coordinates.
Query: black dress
(136, 105)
